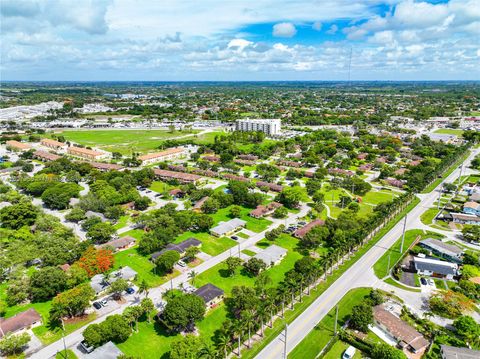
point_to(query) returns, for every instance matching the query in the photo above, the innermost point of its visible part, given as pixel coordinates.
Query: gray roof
(208, 292)
(475, 196)
(126, 273)
(179, 247)
(271, 254)
(442, 247)
(98, 283)
(435, 266)
(106, 351)
(225, 227)
(449, 352)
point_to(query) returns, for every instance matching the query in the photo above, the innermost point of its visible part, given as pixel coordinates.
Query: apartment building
(86, 153)
(169, 154)
(271, 127)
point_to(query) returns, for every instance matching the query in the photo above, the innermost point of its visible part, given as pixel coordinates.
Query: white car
(349, 353)
(182, 263)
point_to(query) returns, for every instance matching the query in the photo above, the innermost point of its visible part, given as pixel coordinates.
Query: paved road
(358, 275)
(155, 294)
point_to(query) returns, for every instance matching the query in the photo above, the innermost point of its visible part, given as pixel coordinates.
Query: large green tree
(182, 311)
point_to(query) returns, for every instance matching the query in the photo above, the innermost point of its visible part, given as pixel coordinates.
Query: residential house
(105, 166)
(181, 247)
(397, 330)
(449, 352)
(262, 211)
(471, 208)
(120, 243)
(197, 207)
(463, 218)
(211, 158)
(271, 186)
(340, 172)
(435, 268)
(475, 197)
(169, 154)
(444, 250)
(272, 255)
(227, 228)
(301, 232)
(100, 282)
(210, 294)
(177, 193)
(23, 320)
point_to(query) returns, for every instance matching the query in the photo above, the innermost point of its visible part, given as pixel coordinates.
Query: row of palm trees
(271, 302)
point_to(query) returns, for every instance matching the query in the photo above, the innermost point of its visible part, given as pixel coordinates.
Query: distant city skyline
(262, 40)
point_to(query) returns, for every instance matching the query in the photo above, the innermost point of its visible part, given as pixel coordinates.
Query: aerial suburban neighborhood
(284, 180)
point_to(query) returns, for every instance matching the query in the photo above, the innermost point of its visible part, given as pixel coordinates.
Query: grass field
(142, 265)
(210, 244)
(220, 277)
(66, 354)
(428, 216)
(447, 173)
(253, 224)
(449, 131)
(337, 350)
(313, 343)
(393, 282)
(381, 266)
(126, 141)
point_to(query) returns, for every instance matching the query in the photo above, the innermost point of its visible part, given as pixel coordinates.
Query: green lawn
(428, 216)
(337, 350)
(449, 131)
(135, 233)
(142, 265)
(393, 282)
(160, 187)
(380, 267)
(243, 235)
(253, 224)
(452, 168)
(123, 141)
(219, 276)
(66, 354)
(210, 244)
(248, 252)
(122, 222)
(151, 340)
(313, 343)
(377, 197)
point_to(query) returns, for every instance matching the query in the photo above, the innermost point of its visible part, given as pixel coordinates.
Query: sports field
(128, 141)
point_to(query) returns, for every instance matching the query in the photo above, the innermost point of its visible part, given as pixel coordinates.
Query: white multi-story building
(271, 127)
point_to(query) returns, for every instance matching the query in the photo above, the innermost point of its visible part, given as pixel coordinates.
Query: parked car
(97, 305)
(235, 238)
(349, 353)
(431, 283)
(130, 290)
(423, 281)
(182, 263)
(104, 302)
(86, 347)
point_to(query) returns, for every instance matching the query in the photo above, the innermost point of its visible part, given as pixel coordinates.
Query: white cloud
(317, 26)
(284, 29)
(333, 29)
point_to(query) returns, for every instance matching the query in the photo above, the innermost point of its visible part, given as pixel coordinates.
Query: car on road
(86, 347)
(97, 305)
(104, 302)
(423, 281)
(349, 353)
(130, 290)
(182, 263)
(235, 238)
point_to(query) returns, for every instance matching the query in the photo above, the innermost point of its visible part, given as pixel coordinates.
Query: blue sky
(239, 40)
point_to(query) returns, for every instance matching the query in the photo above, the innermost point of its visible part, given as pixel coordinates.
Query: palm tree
(248, 317)
(239, 328)
(261, 283)
(143, 288)
(192, 275)
(208, 351)
(224, 343)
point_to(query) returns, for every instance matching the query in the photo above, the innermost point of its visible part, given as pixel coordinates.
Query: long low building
(179, 176)
(86, 153)
(449, 352)
(105, 166)
(169, 154)
(301, 232)
(272, 255)
(227, 228)
(444, 250)
(53, 144)
(46, 156)
(23, 320)
(17, 146)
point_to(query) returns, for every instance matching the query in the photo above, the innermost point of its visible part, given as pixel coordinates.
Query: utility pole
(403, 234)
(388, 266)
(285, 342)
(336, 319)
(63, 337)
(238, 250)
(439, 196)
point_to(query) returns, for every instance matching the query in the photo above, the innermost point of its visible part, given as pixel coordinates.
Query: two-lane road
(358, 275)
